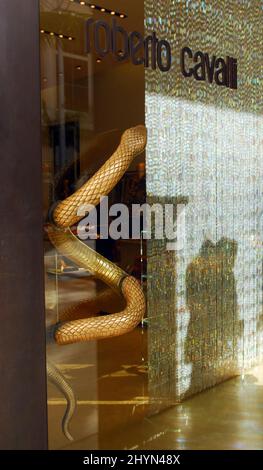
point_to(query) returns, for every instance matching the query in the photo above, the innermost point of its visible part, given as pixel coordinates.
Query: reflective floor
(110, 382)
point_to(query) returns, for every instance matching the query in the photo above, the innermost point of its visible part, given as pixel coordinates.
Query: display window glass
(89, 99)
(152, 207)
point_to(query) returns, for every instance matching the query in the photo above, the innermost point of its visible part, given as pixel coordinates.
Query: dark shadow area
(211, 346)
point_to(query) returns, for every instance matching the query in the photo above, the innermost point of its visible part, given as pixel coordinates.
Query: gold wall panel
(205, 144)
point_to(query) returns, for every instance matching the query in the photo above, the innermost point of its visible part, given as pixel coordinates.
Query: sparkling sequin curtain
(205, 146)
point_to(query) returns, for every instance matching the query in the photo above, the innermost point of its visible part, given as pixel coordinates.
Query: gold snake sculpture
(74, 327)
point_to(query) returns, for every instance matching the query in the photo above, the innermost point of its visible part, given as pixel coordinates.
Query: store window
(89, 100)
(109, 71)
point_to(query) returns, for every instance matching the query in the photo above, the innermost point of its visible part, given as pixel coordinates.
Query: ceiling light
(99, 8)
(58, 35)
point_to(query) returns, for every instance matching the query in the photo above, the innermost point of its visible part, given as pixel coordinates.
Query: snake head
(135, 138)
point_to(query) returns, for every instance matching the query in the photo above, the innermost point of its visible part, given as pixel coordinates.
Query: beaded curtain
(205, 146)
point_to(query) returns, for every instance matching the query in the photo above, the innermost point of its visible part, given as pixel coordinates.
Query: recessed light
(78, 67)
(99, 8)
(58, 35)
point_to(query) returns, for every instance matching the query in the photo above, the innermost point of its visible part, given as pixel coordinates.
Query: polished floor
(110, 381)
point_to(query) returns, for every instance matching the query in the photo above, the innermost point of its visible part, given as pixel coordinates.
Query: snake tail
(56, 377)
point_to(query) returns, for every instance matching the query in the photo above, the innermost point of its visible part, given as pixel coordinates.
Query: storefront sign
(211, 69)
(149, 51)
(156, 53)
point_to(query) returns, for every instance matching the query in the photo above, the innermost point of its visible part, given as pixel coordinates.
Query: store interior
(87, 103)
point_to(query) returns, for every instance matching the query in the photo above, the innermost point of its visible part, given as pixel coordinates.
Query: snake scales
(71, 328)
